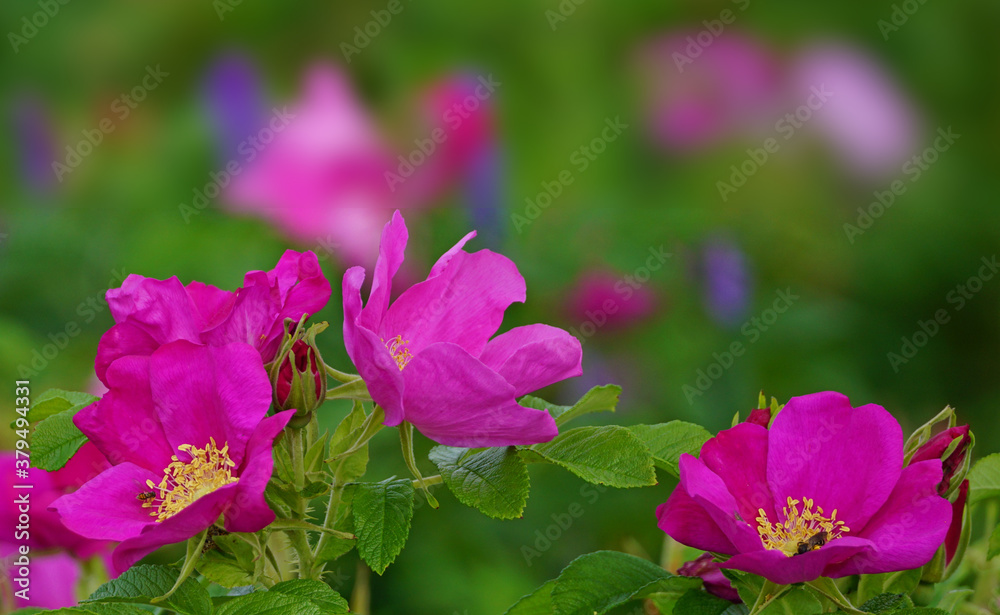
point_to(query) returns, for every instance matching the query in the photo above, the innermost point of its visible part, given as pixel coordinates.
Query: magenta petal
(213, 303)
(250, 512)
(124, 424)
(390, 257)
(302, 289)
(107, 506)
(185, 524)
(442, 262)
(463, 304)
(161, 308)
(249, 321)
(369, 354)
(910, 528)
(53, 582)
(709, 491)
(205, 392)
(783, 570)
(843, 458)
(453, 399)
(534, 357)
(121, 341)
(687, 522)
(739, 457)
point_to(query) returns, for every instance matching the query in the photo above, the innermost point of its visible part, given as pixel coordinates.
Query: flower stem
(406, 440)
(194, 547)
(298, 468)
(339, 375)
(769, 592)
(828, 588)
(361, 595)
(371, 426)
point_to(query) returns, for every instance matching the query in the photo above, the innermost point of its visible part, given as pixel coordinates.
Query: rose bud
(299, 380)
(951, 446)
(711, 575)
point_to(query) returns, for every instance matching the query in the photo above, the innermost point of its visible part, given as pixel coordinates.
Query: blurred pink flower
(605, 298)
(869, 122)
(322, 177)
(697, 95)
(54, 549)
(329, 178)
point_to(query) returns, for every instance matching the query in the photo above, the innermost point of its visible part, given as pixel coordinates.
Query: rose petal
(107, 507)
(533, 357)
(739, 457)
(689, 523)
(845, 459)
(390, 256)
(250, 512)
(453, 399)
(784, 570)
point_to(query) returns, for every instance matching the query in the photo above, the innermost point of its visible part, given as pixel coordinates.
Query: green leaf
(984, 479)
(952, 600)
(140, 584)
(599, 581)
(314, 457)
(334, 547)
(610, 455)
(382, 513)
(887, 603)
(538, 602)
(354, 465)
(268, 603)
(55, 440)
(598, 399)
(99, 608)
(668, 441)
(902, 582)
(920, 610)
(796, 601)
(224, 570)
(495, 481)
(317, 593)
(994, 545)
(54, 401)
(699, 602)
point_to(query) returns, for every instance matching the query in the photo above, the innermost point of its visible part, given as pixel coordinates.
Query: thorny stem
(298, 538)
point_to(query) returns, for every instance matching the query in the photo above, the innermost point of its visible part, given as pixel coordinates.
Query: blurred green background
(64, 242)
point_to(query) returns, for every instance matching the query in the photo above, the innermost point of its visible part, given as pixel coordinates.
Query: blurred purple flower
(235, 101)
(695, 99)
(869, 122)
(34, 141)
(727, 284)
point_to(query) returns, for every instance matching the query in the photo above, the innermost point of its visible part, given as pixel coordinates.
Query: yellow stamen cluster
(185, 481)
(801, 531)
(400, 354)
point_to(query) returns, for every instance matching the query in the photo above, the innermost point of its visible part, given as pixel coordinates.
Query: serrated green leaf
(140, 584)
(382, 514)
(668, 441)
(224, 570)
(610, 455)
(54, 401)
(315, 592)
(494, 481)
(599, 581)
(100, 608)
(700, 602)
(598, 399)
(887, 603)
(984, 479)
(55, 440)
(268, 603)
(538, 602)
(994, 544)
(920, 610)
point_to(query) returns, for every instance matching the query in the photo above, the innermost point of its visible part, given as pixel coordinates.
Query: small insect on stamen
(813, 543)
